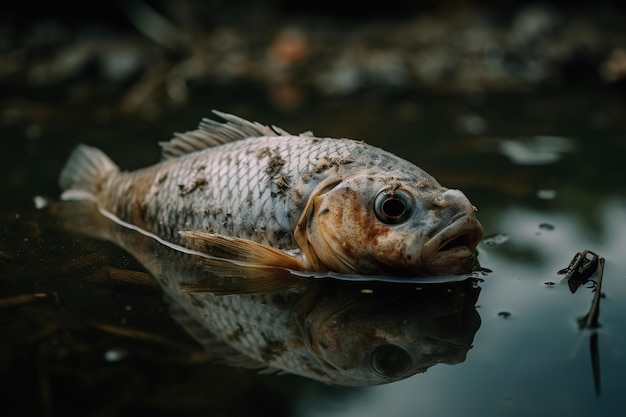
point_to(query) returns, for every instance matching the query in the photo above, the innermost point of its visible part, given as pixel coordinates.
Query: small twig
(21, 299)
(595, 361)
(155, 26)
(591, 319)
(579, 271)
(196, 356)
(124, 275)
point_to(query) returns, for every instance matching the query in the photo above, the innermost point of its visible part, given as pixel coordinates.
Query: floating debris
(581, 270)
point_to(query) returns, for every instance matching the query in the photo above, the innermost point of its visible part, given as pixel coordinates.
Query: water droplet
(481, 271)
(40, 202)
(496, 239)
(114, 355)
(546, 226)
(546, 194)
(473, 124)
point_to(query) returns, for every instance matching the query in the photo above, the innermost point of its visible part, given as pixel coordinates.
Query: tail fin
(85, 169)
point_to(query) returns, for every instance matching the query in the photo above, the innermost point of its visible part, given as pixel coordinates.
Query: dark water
(545, 170)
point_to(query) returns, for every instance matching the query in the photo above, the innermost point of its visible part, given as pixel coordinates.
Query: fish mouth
(455, 242)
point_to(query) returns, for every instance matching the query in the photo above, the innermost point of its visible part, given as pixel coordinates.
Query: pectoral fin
(241, 250)
(239, 266)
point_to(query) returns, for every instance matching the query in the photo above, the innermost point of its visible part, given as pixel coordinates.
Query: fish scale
(237, 196)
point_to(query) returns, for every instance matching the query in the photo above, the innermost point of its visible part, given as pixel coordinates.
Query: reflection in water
(538, 150)
(339, 332)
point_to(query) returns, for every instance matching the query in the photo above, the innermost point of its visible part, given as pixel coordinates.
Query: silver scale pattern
(235, 189)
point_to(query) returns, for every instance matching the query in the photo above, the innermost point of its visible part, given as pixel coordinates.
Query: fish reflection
(339, 332)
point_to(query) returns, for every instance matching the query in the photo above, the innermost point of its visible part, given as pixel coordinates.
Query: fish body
(257, 194)
(338, 332)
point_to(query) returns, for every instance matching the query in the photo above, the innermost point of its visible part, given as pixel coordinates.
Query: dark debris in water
(581, 270)
(546, 226)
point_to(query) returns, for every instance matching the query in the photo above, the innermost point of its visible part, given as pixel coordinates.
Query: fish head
(370, 334)
(380, 225)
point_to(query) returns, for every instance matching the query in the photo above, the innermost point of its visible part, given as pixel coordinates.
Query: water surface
(91, 332)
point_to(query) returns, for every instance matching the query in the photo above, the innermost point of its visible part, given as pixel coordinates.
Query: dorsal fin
(212, 133)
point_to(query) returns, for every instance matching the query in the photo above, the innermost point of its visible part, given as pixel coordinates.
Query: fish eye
(390, 360)
(393, 207)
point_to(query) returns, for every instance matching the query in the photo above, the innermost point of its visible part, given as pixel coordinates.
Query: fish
(259, 195)
(343, 333)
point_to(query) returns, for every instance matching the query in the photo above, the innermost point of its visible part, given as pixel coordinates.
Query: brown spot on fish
(197, 183)
(274, 165)
(135, 208)
(372, 231)
(249, 200)
(275, 162)
(327, 163)
(423, 183)
(298, 198)
(264, 152)
(272, 349)
(237, 335)
(282, 184)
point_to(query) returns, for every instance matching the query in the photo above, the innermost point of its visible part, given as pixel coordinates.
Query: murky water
(83, 325)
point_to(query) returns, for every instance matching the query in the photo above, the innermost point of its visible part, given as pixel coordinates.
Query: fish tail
(82, 176)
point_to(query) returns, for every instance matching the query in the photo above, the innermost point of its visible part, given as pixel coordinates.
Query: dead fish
(257, 194)
(338, 332)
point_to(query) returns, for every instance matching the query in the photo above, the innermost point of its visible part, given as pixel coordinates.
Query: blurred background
(446, 68)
